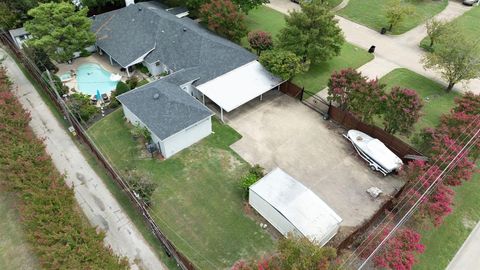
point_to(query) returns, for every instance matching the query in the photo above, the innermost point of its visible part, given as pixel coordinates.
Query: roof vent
(93, 17)
(139, 8)
(184, 29)
(156, 96)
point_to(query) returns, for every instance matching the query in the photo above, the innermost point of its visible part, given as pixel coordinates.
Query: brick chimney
(129, 2)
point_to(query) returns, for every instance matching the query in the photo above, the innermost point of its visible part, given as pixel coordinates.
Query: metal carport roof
(239, 86)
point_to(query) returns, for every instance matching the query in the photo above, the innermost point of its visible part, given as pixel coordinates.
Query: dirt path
(98, 204)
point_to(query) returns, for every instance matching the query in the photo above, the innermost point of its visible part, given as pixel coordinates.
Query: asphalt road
(96, 201)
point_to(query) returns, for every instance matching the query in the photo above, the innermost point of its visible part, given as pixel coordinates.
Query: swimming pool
(92, 77)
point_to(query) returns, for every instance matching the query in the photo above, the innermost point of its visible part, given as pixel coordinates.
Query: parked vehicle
(470, 2)
(372, 150)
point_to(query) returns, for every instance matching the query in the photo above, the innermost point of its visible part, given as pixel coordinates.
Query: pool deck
(94, 58)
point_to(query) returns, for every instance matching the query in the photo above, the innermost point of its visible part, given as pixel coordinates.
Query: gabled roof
(164, 107)
(180, 43)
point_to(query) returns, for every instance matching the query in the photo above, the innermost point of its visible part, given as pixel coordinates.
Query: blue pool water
(92, 77)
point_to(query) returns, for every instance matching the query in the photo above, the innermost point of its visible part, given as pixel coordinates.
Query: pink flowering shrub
(260, 41)
(341, 85)
(223, 17)
(398, 252)
(402, 110)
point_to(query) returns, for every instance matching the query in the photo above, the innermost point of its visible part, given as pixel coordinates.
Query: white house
(291, 207)
(174, 119)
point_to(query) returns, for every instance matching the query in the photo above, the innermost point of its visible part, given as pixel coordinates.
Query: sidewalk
(468, 256)
(96, 201)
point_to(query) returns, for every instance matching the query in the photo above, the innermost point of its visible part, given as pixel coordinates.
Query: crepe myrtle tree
(224, 18)
(341, 85)
(398, 252)
(260, 41)
(401, 110)
(366, 100)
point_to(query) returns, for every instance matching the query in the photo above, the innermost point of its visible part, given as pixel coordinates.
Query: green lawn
(15, 251)
(467, 23)
(267, 19)
(443, 243)
(371, 13)
(198, 203)
(436, 100)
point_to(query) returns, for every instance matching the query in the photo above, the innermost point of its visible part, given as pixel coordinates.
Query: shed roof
(298, 204)
(239, 86)
(172, 111)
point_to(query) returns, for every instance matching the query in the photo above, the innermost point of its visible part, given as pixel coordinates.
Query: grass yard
(316, 79)
(198, 202)
(15, 251)
(467, 23)
(443, 243)
(436, 100)
(371, 13)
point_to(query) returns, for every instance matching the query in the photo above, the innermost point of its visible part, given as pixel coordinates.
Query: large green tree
(282, 63)
(59, 30)
(13, 13)
(312, 33)
(456, 57)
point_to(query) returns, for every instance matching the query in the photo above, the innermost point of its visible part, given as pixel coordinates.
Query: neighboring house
(202, 63)
(291, 207)
(19, 36)
(174, 119)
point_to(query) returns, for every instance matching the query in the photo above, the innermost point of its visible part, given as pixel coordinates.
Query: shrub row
(57, 230)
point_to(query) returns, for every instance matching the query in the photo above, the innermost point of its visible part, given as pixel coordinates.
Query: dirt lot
(282, 132)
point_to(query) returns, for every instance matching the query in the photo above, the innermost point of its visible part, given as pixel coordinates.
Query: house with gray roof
(199, 62)
(175, 119)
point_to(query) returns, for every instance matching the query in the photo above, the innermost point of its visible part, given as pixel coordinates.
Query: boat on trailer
(372, 150)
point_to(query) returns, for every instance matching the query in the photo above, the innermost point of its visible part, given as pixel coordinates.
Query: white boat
(378, 156)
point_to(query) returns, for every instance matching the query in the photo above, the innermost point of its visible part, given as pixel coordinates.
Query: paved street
(98, 204)
(467, 257)
(392, 51)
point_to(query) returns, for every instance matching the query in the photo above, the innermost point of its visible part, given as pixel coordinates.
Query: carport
(239, 86)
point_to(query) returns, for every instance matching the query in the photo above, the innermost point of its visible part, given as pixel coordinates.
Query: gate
(316, 103)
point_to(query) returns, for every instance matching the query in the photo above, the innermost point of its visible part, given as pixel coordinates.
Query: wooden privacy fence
(182, 261)
(349, 121)
(346, 119)
(291, 89)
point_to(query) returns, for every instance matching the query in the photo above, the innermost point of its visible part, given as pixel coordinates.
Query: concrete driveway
(282, 132)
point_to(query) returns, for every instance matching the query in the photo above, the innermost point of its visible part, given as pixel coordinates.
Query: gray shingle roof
(173, 111)
(180, 43)
(18, 32)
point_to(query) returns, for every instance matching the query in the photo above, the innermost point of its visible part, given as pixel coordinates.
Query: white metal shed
(237, 87)
(293, 208)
